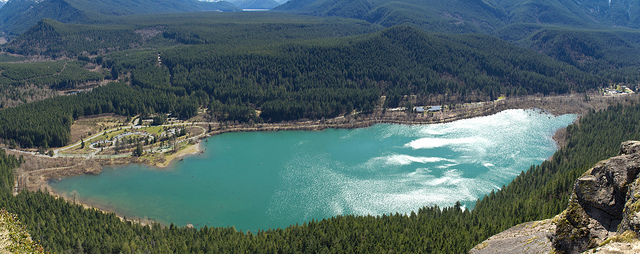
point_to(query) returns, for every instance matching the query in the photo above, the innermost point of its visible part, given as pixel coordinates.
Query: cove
(262, 180)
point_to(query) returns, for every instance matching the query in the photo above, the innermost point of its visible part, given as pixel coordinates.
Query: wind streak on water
(426, 165)
(267, 180)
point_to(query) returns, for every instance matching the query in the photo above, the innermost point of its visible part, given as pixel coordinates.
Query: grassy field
(87, 126)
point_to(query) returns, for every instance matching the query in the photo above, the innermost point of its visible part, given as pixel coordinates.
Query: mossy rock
(572, 234)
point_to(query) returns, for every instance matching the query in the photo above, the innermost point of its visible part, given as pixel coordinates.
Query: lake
(262, 180)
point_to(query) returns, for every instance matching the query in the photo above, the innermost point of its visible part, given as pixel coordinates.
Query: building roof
(435, 108)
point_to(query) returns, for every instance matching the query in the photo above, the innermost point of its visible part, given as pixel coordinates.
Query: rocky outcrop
(627, 242)
(530, 237)
(603, 215)
(14, 237)
(604, 203)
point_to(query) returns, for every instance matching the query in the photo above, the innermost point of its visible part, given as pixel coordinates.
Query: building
(435, 108)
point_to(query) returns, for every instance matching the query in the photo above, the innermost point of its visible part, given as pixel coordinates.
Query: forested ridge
(603, 51)
(327, 79)
(290, 68)
(58, 75)
(540, 192)
(609, 52)
(18, 15)
(311, 79)
(475, 16)
(567, 26)
(52, 38)
(591, 34)
(55, 39)
(23, 82)
(593, 49)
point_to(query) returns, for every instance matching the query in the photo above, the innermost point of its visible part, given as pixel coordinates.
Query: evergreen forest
(307, 59)
(540, 192)
(309, 79)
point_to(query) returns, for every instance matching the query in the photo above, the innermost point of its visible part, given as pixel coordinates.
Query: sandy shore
(189, 150)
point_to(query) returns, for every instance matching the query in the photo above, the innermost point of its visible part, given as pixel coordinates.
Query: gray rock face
(605, 202)
(530, 237)
(598, 191)
(630, 147)
(631, 214)
(604, 205)
(618, 248)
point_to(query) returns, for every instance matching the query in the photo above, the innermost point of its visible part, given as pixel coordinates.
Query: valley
(99, 150)
(148, 86)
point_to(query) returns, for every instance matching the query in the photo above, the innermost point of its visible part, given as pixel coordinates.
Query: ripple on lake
(274, 179)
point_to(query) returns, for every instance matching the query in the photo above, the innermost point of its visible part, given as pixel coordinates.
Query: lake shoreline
(219, 146)
(557, 105)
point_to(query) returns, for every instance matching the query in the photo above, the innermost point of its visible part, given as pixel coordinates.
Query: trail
(64, 66)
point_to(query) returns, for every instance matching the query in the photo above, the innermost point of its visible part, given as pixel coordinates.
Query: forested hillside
(315, 80)
(475, 16)
(624, 13)
(51, 38)
(353, 73)
(57, 75)
(540, 192)
(255, 4)
(273, 67)
(430, 15)
(591, 35)
(26, 82)
(46, 123)
(19, 15)
(590, 50)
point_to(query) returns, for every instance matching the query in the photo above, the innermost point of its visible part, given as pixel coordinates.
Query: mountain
(238, 30)
(333, 76)
(478, 15)
(591, 34)
(620, 13)
(255, 4)
(588, 49)
(19, 15)
(575, 13)
(430, 15)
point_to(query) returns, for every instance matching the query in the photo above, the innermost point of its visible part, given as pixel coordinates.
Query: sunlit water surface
(261, 180)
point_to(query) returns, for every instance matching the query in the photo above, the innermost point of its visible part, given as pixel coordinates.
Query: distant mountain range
(255, 4)
(452, 16)
(590, 34)
(16, 16)
(476, 16)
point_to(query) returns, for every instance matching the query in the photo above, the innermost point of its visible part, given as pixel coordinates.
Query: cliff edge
(603, 214)
(14, 238)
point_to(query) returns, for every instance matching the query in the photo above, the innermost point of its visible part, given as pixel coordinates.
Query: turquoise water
(261, 180)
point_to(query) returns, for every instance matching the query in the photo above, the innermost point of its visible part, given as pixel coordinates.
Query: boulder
(604, 203)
